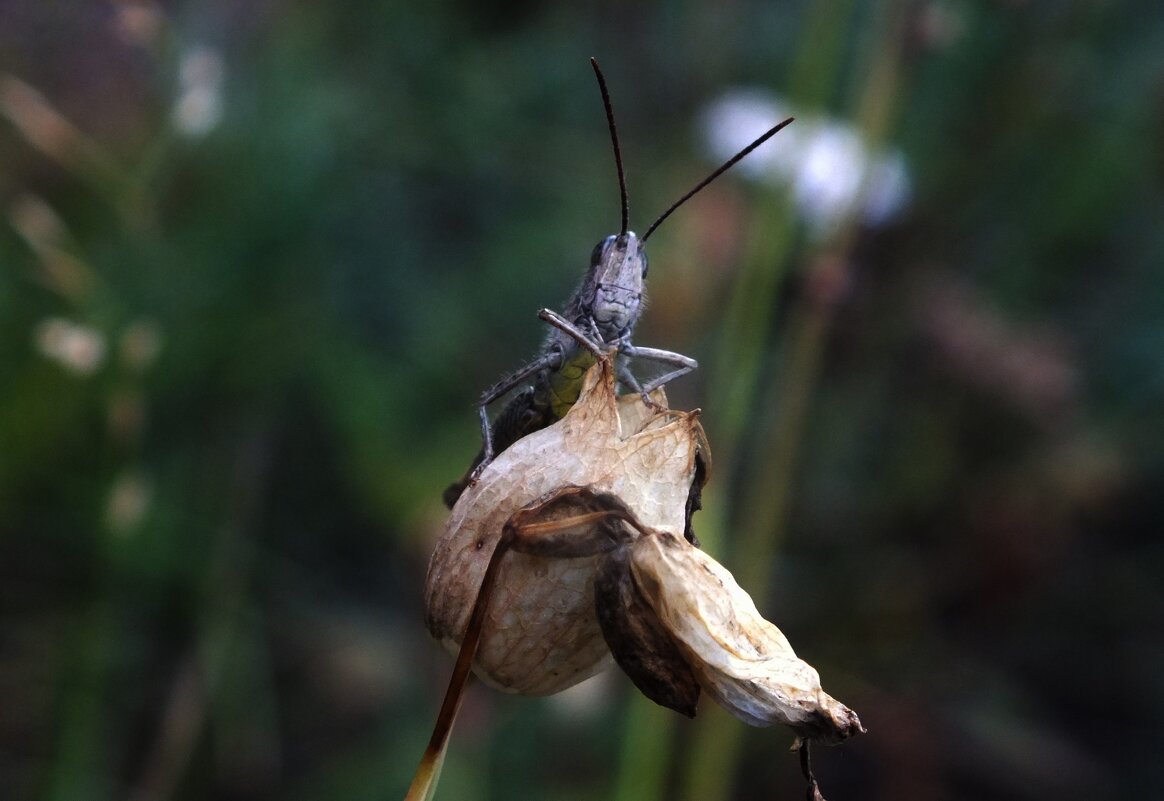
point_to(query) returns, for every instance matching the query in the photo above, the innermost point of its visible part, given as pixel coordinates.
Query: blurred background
(257, 260)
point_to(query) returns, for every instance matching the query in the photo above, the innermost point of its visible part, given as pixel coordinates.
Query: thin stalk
(738, 373)
(816, 70)
(716, 747)
(740, 361)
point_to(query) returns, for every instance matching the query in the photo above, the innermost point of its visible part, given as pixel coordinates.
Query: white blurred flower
(736, 118)
(78, 348)
(827, 183)
(825, 163)
(199, 105)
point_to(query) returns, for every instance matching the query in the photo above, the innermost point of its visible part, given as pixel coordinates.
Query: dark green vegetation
(239, 364)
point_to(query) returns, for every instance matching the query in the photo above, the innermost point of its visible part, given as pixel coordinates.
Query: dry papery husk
(540, 634)
(673, 614)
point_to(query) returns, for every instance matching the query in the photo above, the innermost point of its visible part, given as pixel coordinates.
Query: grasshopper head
(618, 269)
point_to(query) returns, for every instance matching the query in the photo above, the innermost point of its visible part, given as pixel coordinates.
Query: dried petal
(741, 659)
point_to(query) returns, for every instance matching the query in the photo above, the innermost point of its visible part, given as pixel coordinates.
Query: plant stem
(715, 750)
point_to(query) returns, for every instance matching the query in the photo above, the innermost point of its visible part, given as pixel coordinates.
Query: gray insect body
(599, 316)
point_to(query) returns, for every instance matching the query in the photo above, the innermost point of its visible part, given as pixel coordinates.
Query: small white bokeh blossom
(78, 348)
(199, 105)
(826, 164)
(731, 122)
(827, 184)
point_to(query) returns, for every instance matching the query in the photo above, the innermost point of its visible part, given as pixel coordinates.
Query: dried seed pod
(578, 539)
(739, 658)
(540, 634)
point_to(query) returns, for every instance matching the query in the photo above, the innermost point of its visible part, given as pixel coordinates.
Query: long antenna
(726, 166)
(613, 141)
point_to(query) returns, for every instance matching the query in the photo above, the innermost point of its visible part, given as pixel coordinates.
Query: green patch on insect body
(566, 384)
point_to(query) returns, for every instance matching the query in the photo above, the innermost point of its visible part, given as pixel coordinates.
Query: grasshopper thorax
(613, 290)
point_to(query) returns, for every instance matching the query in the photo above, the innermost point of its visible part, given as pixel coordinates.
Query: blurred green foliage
(259, 259)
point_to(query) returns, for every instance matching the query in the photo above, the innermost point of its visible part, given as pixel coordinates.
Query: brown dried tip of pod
(743, 661)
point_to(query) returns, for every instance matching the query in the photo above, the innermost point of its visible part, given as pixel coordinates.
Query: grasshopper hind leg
(681, 365)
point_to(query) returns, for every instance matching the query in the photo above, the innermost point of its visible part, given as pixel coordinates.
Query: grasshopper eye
(599, 249)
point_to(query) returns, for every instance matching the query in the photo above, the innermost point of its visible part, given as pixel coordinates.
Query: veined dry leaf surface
(541, 634)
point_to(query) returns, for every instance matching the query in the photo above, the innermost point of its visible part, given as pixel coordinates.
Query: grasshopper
(602, 314)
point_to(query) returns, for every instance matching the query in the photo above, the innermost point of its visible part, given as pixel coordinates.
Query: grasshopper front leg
(594, 344)
(551, 360)
(522, 414)
(548, 361)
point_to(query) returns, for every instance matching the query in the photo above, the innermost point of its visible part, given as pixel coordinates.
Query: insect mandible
(604, 309)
